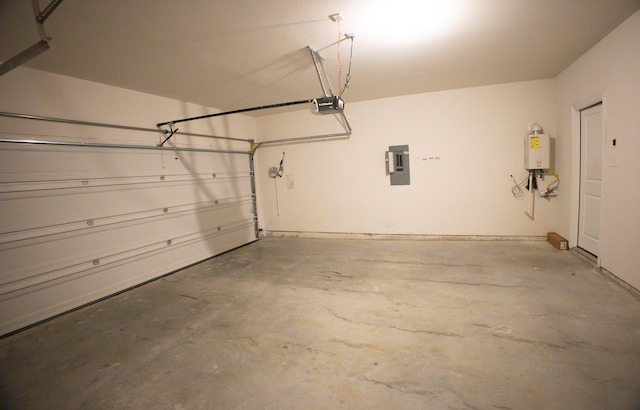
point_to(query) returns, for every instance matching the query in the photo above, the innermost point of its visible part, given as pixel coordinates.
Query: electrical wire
(518, 193)
(281, 167)
(516, 190)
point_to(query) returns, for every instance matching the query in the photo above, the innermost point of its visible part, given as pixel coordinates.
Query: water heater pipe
(531, 195)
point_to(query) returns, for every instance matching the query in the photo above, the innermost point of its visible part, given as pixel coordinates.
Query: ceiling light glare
(409, 22)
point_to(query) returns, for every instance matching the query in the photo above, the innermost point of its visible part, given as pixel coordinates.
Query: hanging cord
(339, 59)
(171, 132)
(342, 88)
(275, 182)
(347, 79)
(516, 190)
(174, 143)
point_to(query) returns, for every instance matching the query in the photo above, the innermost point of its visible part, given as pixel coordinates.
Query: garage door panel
(79, 224)
(28, 209)
(34, 163)
(52, 253)
(54, 297)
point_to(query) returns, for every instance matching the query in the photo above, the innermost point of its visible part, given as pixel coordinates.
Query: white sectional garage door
(83, 222)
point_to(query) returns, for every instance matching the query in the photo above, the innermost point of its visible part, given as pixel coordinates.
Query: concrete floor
(308, 323)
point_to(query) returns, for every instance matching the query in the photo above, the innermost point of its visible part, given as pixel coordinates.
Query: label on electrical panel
(534, 142)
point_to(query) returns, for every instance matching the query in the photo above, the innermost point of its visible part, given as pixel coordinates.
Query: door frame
(575, 167)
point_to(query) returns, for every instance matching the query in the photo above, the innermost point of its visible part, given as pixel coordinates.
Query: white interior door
(591, 147)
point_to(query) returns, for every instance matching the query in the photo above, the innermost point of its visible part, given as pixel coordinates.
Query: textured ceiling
(234, 54)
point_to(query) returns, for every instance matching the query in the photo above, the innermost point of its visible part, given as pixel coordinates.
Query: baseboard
(635, 292)
(413, 237)
(593, 260)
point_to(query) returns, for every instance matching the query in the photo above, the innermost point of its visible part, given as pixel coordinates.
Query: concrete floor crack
(429, 332)
(397, 387)
(497, 285)
(424, 331)
(529, 341)
(334, 273)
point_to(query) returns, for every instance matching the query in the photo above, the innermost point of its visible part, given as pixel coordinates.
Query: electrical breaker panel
(397, 161)
(537, 151)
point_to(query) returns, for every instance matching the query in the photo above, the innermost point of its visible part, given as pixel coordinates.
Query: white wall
(609, 71)
(341, 186)
(27, 91)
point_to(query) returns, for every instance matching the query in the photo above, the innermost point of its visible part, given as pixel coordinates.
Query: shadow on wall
(226, 187)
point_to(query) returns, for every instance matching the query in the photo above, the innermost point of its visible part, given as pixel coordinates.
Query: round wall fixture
(534, 128)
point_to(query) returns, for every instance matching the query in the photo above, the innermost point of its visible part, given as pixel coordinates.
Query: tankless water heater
(537, 151)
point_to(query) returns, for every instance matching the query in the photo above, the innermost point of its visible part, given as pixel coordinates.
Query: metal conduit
(301, 139)
(126, 146)
(116, 126)
(309, 138)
